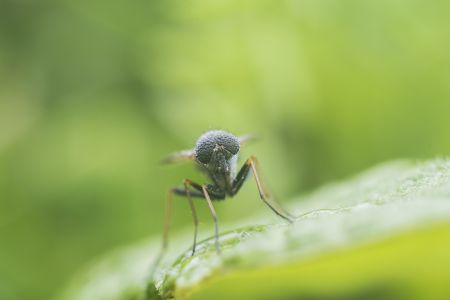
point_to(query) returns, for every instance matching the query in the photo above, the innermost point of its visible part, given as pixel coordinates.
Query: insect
(216, 153)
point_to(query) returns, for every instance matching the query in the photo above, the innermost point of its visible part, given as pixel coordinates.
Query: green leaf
(382, 235)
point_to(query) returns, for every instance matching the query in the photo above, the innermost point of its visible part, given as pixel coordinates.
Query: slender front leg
(252, 164)
(165, 236)
(167, 219)
(187, 182)
(213, 213)
(168, 215)
(200, 191)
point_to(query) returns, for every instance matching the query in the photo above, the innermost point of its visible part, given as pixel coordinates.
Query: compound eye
(231, 144)
(207, 142)
(204, 151)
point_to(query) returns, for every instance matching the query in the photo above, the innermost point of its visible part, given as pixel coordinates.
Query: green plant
(382, 235)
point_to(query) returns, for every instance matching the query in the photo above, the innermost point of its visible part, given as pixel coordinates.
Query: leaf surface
(384, 234)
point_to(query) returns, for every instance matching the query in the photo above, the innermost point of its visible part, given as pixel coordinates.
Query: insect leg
(240, 178)
(213, 213)
(167, 219)
(186, 183)
(253, 165)
(165, 240)
(168, 213)
(198, 192)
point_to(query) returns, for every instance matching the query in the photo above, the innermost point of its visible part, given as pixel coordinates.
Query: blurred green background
(94, 93)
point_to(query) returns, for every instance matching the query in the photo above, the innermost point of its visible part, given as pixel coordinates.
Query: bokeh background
(94, 93)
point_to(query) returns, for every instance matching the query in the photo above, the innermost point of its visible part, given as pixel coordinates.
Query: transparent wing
(247, 138)
(179, 156)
